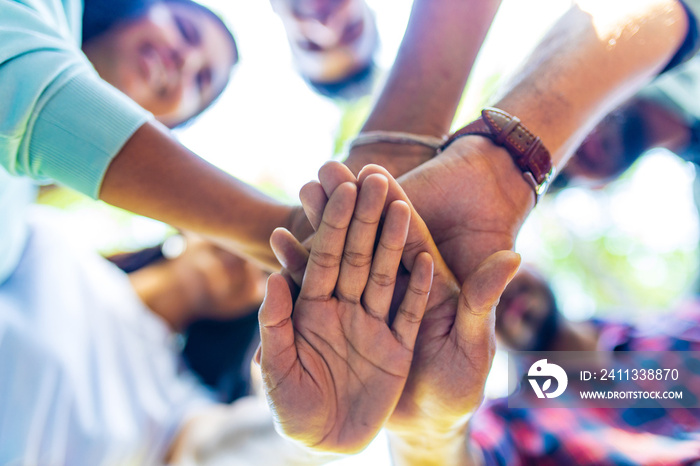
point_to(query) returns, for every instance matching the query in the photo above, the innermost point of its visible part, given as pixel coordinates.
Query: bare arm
(155, 176)
(472, 196)
(431, 448)
(424, 87)
(474, 199)
(598, 55)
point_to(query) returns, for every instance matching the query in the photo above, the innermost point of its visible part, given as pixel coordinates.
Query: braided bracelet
(397, 137)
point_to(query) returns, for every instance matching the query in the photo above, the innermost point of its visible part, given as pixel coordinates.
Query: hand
(218, 283)
(456, 340)
(473, 199)
(334, 371)
(397, 159)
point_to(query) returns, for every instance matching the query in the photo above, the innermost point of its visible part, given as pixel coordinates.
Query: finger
(313, 200)
(357, 256)
(385, 265)
(481, 291)
(418, 240)
(258, 355)
(278, 351)
(327, 247)
(332, 174)
(290, 253)
(412, 308)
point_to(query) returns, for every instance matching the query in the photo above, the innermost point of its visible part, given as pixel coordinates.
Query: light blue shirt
(58, 120)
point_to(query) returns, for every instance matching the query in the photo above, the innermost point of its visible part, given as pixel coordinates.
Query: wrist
(433, 446)
(483, 154)
(396, 158)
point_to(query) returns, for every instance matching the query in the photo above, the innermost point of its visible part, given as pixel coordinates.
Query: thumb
(290, 253)
(278, 351)
(479, 296)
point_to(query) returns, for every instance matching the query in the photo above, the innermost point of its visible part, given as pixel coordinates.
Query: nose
(186, 57)
(188, 60)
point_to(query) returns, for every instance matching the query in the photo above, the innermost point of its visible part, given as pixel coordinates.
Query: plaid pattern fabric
(600, 436)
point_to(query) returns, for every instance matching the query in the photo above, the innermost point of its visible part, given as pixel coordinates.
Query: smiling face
(527, 316)
(173, 61)
(610, 148)
(330, 39)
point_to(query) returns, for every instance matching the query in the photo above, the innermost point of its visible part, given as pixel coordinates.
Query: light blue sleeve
(693, 7)
(58, 119)
(691, 44)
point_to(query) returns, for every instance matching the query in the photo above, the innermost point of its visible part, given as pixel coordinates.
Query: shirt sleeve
(491, 435)
(691, 44)
(59, 120)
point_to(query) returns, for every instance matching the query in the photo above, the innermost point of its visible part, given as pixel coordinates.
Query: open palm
(456, 342)
(335, 369)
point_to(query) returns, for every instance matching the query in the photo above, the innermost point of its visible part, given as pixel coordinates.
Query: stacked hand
(334, 365)
(455, 343)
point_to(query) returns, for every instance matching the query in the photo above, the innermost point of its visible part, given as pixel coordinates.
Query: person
(69, 115)
(89, 373)
(333, 381)
(172, 62)
(172, 57)
(474, 198)
(528, 319)
(333, 44)
(210, 297)
(199, 281)
(423, 56)
(660, 115)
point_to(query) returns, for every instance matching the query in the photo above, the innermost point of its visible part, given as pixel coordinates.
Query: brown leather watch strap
(527, 150)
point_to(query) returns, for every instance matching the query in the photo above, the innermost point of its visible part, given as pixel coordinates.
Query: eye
(188, 30)
(203, 79)
(309, 46)
(353, 31)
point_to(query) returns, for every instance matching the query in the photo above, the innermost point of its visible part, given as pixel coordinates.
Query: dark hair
(634, 137)
(631, 123)
(101, 15)
(352, 87)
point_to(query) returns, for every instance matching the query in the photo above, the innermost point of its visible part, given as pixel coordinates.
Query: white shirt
(88, 375)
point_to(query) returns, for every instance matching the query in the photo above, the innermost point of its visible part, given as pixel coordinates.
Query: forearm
(596, 56)
(243, 430)
(155, 176)
(424, 87)
(581, 70)
(430, 448)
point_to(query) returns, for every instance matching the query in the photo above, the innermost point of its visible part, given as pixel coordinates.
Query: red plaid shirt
(599, 436)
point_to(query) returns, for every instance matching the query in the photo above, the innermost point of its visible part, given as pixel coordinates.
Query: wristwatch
(526, 149)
